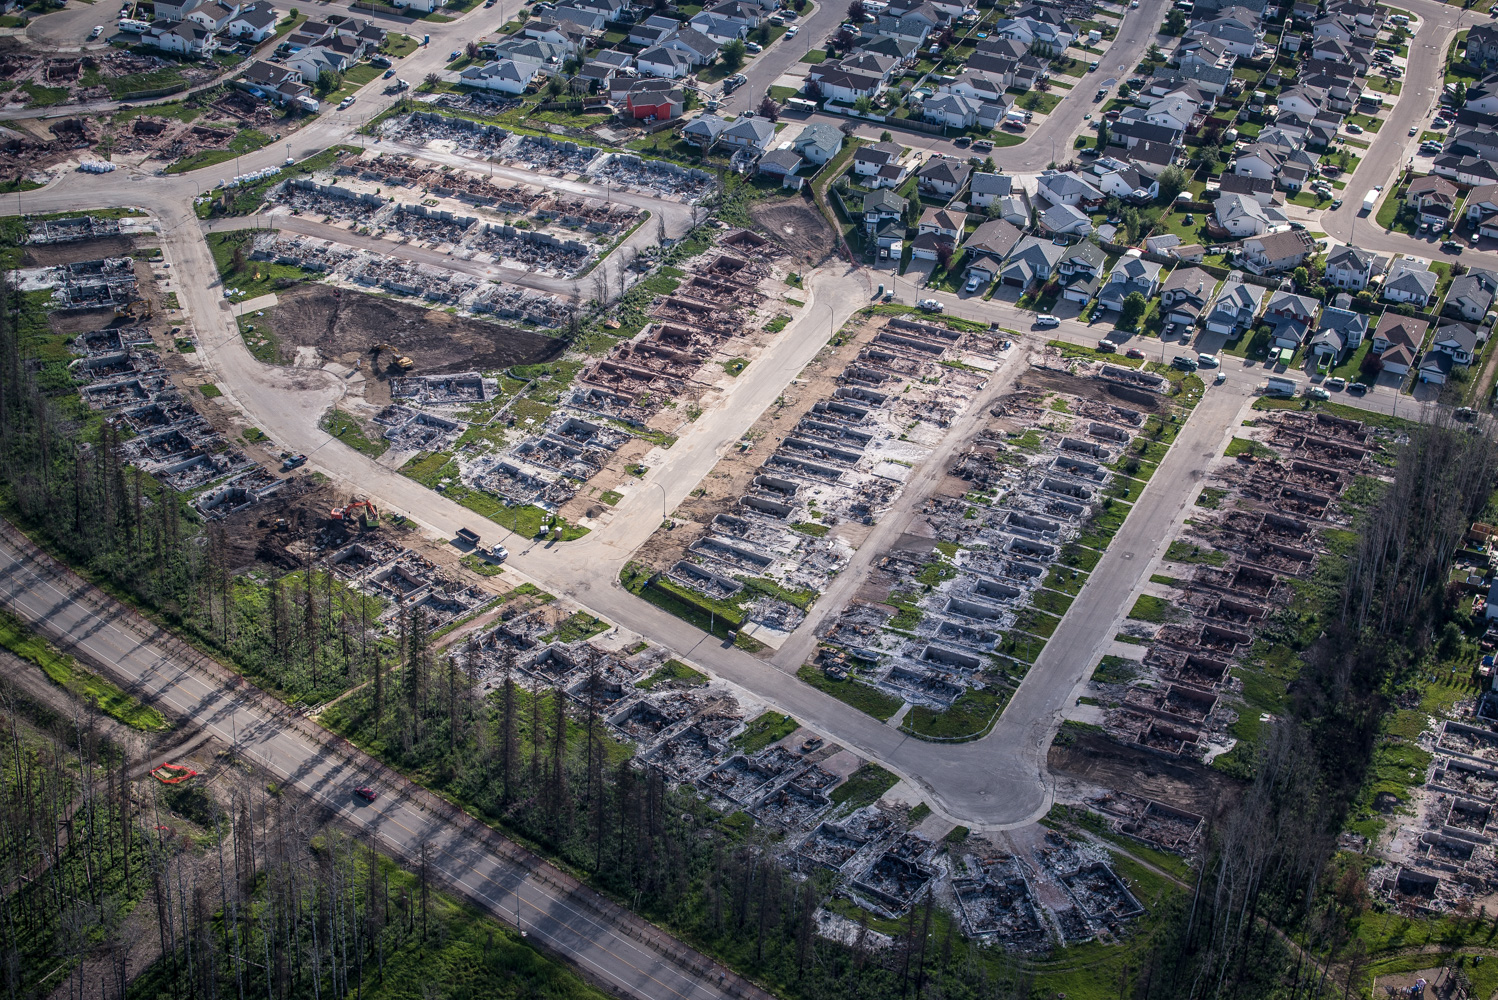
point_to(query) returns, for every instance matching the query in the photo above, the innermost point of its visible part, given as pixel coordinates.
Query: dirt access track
(342, 325)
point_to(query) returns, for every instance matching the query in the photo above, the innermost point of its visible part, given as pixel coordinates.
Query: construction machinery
(362, 511)
(397, 359)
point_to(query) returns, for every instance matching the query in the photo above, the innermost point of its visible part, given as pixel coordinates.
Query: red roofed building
(655, 98)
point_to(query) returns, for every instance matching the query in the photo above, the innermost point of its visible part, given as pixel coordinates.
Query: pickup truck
(929, 305)
(293, 462)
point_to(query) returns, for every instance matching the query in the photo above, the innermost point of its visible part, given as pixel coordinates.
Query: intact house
(254, 23)
(1289, 317)
(753, 134)
(941, 175)
(1274, 253)
(818, 143)
(1482, 46)
(880, 207)
(1242, 215)
(1185, 294)
(782, 163)
(1396, 340)
(987, 187)
(938, 232)
(1482, 208)
(186, 38)
(1131, 274)
(704, 131)
(1338, 332)
(1433, 198)
(657, 99)
(988, 247)
(1065, 220)
(1080, 271)
(1069, 188)
(879, 165)
(1454, 344)
(506, 76)
(1129, 184)
(1471, 295)
(1349, 267)
(1032, 260)
(1235, 307)
(1410, 281)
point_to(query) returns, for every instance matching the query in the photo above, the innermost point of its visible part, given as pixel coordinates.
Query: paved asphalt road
(562, 921)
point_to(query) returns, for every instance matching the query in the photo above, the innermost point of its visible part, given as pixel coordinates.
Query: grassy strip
(348, 430)
(65, 672)
(1183, 551)
(771, 727)
(864, 697)
(864, 786)
(970, 717)
(670, 672)
(1153, 609)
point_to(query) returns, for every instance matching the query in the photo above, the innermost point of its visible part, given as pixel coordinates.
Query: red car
(1133, 352)
(367, 794)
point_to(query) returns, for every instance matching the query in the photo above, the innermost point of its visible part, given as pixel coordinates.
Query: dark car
(1452, 246)
(366, 793)
(1357, 387)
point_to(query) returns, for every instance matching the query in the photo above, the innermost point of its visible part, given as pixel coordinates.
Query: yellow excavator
(362, 511)
(397, 359)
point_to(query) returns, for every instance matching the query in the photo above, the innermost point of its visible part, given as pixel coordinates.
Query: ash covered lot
(342, 325)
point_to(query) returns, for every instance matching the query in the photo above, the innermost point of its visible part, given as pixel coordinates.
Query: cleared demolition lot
(953, 615)
(782, 513)
(342, 325)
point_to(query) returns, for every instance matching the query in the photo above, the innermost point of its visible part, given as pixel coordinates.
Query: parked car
(1451, 246)
(499, 553)
(1358, 388)
(1046, 320)
(1133, 352)
(1353, 128)
(753, 48)
(1316, 392)
(1222, 377)
(973, 283)
(1207, 360)
(1414, 129)
(929, 305)
(98, 30)
(791, 31)
(345, 102)
(1336, 203)
(1092, 66)
(1339, 383)
(962, 141)
(1106, 346)
(1184, 362)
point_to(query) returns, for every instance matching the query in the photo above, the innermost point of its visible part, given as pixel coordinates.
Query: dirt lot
(796, 225)
(63, 253)
(1100, 760)
(342, 325)
(1088, 388)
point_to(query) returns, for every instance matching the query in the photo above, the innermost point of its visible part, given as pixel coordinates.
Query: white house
(254, 23)
(505, 75)
(1350, 267)
(1131, 274)
(1235, 307)
(1410, 281)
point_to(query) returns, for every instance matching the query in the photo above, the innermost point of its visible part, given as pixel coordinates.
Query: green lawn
(864, 786)
(355, 78)
(1369, 124)
(672, 671)
(815, 56)
(1041, 104)
(398, 46)
(65, 672)
(771, 727)
(246, 141)
(122, 87)
(255, 277)
(970, 717)
(348, 430)
(864, 697)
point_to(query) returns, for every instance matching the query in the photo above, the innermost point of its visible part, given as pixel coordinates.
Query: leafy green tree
(1301, 277)
(1173, 181)
(1134, 305)
(327, 82)
(732, 54)
(864, 104)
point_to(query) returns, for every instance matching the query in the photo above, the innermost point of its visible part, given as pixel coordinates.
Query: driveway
(70, 27)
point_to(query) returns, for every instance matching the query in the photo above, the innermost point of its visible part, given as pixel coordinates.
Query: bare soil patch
(1091, 388)
(343, 325)
(1101, 760)
(63, 253)
(796, 225)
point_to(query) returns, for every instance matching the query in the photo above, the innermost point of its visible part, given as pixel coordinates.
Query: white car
(346, 102)
(1353, 128)
(753, 48)
(791, 31)
(98, 30)
(1207, 360)
(972, 284)
(1046, 320)
(499, 553)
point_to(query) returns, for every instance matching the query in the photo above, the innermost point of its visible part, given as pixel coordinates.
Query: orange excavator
(363, 511)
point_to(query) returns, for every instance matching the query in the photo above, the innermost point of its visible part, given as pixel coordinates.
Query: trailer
(1369, 200)
(1279, 386)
